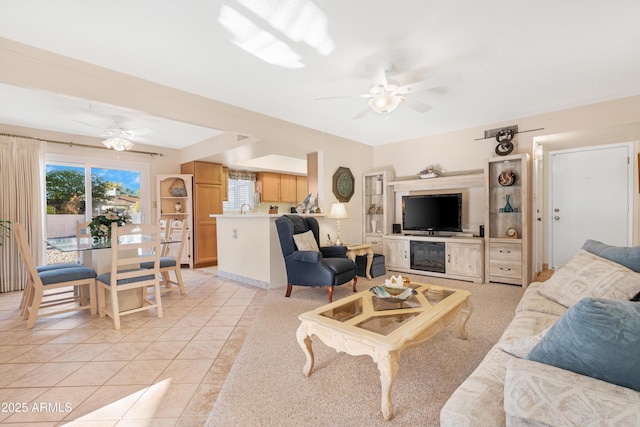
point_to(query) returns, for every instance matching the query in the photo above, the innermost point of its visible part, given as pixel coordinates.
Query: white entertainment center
(500, 255)
(452, 255)
(455, 257)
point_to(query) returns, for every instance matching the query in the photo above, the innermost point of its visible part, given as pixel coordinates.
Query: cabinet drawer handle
(505, 269)
(502, 251)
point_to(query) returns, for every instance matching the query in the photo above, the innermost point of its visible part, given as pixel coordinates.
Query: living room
(590, 120)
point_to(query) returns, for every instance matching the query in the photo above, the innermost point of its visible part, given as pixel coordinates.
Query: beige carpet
(266, 386)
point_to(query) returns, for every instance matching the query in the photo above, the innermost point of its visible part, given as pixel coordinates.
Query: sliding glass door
(78, 189)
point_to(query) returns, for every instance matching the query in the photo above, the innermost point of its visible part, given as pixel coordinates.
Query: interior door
(590, 198)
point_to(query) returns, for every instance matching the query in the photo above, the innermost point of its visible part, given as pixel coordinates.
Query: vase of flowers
(100, 225)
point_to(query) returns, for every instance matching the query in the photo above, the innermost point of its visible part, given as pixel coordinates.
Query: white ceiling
(513, 58)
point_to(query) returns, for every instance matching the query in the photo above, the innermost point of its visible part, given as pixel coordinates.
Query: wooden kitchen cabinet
(268, 186)
(280, 187)
(288, 189)
(302, 188)
(208, 194)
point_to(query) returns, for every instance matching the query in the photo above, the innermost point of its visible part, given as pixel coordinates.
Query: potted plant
(5, 229)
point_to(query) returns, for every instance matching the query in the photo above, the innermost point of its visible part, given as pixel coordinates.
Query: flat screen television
(432, 212)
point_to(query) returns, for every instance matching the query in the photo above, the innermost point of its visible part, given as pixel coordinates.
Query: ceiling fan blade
(378, 73)
(141, 131)
(325, 98)
(417, 105)
(362, 113)
(429, 84)
(89, 124)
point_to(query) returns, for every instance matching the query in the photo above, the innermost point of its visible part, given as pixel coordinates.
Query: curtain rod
(74, 144)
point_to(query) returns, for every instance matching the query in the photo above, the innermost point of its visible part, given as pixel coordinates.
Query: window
(79, 188)
(241, 191)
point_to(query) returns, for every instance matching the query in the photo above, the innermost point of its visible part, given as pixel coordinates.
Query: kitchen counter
(249, 249)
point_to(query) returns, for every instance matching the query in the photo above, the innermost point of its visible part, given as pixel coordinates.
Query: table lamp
(338, 212)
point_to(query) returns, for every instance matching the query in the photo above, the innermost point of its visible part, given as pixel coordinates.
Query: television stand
(453, 257)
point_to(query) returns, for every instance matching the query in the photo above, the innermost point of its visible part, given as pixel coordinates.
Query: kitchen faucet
(242, 207)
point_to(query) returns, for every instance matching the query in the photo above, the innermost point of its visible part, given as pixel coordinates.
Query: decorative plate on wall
(343, 184)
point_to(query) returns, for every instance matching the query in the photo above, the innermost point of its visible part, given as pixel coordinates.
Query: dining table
(96, 254)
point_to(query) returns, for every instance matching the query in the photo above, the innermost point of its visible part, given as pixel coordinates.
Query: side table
(356, 250)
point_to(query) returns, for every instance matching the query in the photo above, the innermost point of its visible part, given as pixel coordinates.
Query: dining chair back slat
(177, 231)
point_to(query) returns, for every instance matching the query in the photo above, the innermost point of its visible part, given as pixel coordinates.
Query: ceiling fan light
(118, 144)
(384, 104)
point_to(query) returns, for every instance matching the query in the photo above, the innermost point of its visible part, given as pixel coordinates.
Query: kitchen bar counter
(249, 249)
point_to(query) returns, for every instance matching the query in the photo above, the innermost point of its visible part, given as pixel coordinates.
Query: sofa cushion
(536, 394)
(521, 347)
(306, 241)
(588, 275)
(532, 300)
(598, 338)
(627, 256)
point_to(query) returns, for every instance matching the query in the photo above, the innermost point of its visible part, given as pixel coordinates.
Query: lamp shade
(338, 211)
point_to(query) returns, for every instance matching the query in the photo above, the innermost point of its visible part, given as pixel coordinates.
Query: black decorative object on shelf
(504, 138)
(507, 206)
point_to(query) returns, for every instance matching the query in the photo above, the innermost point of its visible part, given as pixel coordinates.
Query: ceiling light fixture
(383, 99)
(118, 140)
(118, 143)
(385, 103)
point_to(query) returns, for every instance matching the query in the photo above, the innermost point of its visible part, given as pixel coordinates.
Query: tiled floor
(77, 370)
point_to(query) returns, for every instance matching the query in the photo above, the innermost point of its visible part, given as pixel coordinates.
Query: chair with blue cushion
(131, 245)
(53, 285)
(172, 255)
(326, 266)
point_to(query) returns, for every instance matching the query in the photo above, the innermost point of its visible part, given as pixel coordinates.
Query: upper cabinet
(277, 187)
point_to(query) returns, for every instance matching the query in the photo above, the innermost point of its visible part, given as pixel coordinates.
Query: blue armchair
(328, 267)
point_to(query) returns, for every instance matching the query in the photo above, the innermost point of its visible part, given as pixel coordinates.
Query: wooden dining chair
(171, 260)
(53, 286)
(131, 245)
(83, 229)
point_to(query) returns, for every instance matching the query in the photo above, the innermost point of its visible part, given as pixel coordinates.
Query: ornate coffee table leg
(465, 313)
(388, 365)
(305, 343)
(369, 262)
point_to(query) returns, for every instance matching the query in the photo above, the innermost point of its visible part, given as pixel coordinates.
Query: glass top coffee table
(363, 324)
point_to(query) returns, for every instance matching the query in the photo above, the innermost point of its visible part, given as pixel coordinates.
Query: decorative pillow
(588, 275)
(306, 241)
(598, 338)
(521, 347)
(627, 256)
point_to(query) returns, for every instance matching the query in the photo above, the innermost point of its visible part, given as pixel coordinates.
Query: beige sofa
(508, 389)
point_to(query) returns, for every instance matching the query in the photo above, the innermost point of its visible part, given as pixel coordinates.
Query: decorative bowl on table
(394, 289)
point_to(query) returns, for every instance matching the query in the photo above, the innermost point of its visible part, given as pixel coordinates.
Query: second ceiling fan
(385, 95)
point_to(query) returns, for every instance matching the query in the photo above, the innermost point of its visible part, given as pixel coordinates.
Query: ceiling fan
(120, 139)
(385, 95)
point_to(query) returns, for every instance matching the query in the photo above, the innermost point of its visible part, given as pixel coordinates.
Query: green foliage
(65, 191)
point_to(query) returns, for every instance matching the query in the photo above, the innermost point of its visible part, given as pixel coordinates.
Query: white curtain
(21, 194)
